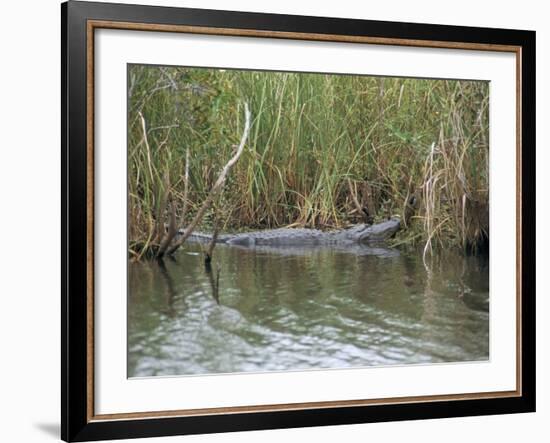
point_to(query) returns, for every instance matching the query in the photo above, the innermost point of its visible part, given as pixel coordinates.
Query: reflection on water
(262, 310)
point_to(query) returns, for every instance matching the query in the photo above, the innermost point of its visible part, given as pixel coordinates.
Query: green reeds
(321, 147)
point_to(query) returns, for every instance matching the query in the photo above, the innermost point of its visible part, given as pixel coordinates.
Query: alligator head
(379, 232)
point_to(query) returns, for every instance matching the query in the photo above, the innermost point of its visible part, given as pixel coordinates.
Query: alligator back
(280, 237)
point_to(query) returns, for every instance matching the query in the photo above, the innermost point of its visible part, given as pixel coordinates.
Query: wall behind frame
(30, 220)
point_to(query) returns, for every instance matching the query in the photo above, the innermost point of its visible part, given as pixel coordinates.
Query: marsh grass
(324, 151)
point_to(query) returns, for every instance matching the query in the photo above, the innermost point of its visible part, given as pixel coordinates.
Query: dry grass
(324, 151)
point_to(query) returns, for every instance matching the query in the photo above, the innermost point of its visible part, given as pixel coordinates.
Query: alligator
(362, 234)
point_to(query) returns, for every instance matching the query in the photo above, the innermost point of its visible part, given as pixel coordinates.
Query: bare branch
(218, 185)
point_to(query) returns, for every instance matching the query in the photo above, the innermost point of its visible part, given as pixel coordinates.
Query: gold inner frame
(97, 24)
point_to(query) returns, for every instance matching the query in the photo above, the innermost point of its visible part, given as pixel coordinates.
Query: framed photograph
(276, 221)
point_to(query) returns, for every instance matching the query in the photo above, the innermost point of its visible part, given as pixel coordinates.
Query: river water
(273, 310)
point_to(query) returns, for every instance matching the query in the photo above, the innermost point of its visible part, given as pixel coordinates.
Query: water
(273, 310)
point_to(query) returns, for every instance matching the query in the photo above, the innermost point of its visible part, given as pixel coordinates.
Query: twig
(144, 128)
(185, 190)
(162, 207)
(211, 245)
(353, 194)
(170, 234)
(428, 193)
(156, 128)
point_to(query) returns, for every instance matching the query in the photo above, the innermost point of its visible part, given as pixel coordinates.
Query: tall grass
(321, 148)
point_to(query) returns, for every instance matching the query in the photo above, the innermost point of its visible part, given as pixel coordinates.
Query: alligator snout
(381, 231)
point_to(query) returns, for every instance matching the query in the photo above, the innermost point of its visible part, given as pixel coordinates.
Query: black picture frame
(77, 424)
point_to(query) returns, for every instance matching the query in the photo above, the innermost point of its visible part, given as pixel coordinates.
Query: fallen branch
(218, 185)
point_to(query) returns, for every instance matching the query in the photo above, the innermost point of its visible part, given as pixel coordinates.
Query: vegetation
(323, 151)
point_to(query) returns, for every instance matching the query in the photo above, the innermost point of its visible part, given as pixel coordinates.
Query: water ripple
(315, 309)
